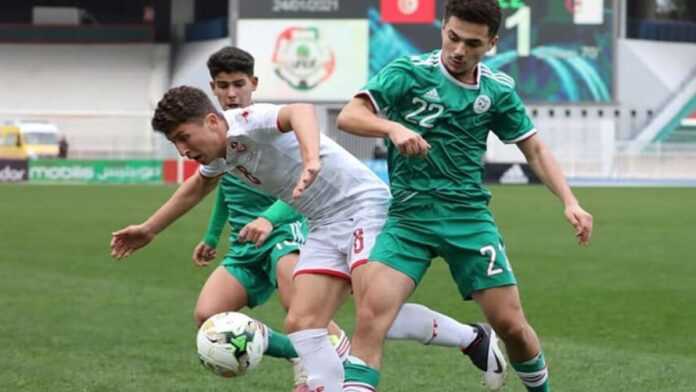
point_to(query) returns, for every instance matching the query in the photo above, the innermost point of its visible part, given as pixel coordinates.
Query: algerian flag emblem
(482, 104)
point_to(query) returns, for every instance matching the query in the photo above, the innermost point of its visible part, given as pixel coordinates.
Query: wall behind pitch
(81, 77)
(100, 96)
(189, 66)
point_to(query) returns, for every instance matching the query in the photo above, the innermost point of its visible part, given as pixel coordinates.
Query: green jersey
(455, 119)
(240, 204)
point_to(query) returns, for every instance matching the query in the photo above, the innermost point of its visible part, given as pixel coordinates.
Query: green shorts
(255, 268)
(466, 238)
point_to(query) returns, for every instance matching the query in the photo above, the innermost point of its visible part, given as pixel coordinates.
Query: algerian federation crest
(301, 59)
(482, 104)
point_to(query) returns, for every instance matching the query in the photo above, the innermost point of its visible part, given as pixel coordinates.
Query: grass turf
(617, 316)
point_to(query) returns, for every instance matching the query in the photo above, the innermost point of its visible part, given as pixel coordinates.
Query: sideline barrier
(167, 171)
(103, 172)
(170, 170)
(509, 173)
(13, 170)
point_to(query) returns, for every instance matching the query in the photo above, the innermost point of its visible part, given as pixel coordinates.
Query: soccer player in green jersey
(438, 109)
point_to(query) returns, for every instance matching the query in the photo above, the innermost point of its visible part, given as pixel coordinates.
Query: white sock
(417, 322)
(319, 358)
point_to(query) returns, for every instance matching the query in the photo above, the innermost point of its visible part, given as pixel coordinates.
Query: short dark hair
(475, 11)
(230, 59)
(180, 105)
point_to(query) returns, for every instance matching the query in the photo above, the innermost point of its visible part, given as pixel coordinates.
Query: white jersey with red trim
(268, 159)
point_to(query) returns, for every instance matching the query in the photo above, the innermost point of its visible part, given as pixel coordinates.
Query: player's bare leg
(315, 300)
(411, 322)
(379, 292)
(286, 267)
(503, 309)
(284, 270)
(339, 339)
(222, 292)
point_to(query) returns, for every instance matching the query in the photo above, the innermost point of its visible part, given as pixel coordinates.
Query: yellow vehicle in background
(29, 140)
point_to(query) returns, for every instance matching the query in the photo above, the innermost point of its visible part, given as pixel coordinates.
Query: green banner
(105, 172)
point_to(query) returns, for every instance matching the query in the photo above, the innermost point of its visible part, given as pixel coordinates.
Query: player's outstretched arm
(358, 118)
(205, 251)
(302, 119)
(544, 165)
(126, 241)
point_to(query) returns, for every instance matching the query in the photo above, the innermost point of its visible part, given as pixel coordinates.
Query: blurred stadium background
(610, 84)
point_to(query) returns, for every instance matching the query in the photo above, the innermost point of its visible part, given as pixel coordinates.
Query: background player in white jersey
(441, 106)
(345, 205)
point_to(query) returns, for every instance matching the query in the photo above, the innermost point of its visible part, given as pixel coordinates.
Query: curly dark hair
(180, 105)
(230, 59)
(475, 11)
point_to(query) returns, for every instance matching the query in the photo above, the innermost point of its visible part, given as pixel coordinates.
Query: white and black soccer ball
(231, 343)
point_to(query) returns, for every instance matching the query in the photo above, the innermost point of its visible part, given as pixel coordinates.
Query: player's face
(463, 45)
(202, 141)
(233, 89)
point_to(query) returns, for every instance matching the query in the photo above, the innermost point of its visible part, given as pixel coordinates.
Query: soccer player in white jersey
(343, 200)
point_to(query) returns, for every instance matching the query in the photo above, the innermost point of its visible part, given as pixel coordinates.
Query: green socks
(279, 346)
(534, 374)
(359, 377)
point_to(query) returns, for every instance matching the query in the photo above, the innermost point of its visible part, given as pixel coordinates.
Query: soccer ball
(231, 343)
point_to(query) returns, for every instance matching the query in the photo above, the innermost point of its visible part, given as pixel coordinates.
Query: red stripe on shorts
(358, 264)
(319, 271)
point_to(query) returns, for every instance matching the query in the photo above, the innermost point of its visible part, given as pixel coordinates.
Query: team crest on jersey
(302, 59)
(482, 104)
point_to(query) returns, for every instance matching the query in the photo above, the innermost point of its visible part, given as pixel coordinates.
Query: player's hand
(408, 142)
(581, 221)
(256, 231)
(127, 240)
(203, 254)
(309, 174)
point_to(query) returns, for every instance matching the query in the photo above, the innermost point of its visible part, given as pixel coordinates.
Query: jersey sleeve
(280, 212)
(510, 122)
(218, 217)
(388, 86)
(213, 169)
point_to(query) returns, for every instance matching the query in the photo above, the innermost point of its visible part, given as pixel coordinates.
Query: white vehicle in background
(32, 140)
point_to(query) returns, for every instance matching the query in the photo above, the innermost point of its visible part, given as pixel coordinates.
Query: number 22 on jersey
(425, 113)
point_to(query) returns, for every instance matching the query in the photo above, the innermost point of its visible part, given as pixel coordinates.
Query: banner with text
(13, 170)
(109, 172)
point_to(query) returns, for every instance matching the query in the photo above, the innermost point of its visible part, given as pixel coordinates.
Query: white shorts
(336, 248)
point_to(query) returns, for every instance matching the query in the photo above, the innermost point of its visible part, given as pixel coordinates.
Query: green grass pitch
(617, 316)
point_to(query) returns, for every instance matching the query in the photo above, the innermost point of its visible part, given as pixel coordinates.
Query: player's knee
(511, 329)
(200, 315)
(297, 322)
(371, 319)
